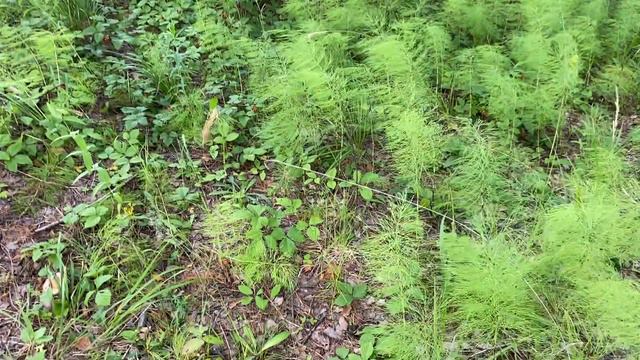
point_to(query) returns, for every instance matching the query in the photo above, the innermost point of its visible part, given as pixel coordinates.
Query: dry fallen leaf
(83, 343)
(53, 283)
(206, 129)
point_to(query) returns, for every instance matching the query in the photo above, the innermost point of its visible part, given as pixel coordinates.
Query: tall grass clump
(393, 259)
(482, 21)
(305, 94)
(487, 184)
(623, 36)
(486, 285)
(405, 105)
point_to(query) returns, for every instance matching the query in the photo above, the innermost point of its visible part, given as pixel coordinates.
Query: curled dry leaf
(211, 119)
(53, 283)
(83, 343)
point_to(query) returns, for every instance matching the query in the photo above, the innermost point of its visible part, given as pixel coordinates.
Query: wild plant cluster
(476, 98)
(477, 159)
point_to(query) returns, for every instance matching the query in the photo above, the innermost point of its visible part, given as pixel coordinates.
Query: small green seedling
(253, 347)
(12, 155)
(91, 215)
(367, 342)
(347, 293)
(261, 301)
(363, 181)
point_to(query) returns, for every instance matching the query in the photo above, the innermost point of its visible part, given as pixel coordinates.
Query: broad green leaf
(14, 148)
(359, 291)
(301, 225)
(92, 221)
(103, 298)
(117, 43)
(232, 136)
(287, 246)
(270, 242)
(366, 193)
(246, 300)
(285, 202)
(70, 218)
(278, 233)
(342, 352)
(46, 298)
(366, 346)
(192, 346)
(88, 211)
(22, 159)
(262, 303)
(275, 341)
(295, 234)
(315, 219)
(4, 156)
(212, 340)
(245, 290)
(4, 139)
(101, 280)
(88, 297)
(129, 335)
(213, 103)
(344, 288)
(369, 178)
(313, 233)
(275, 291)
(101, 210)
(12, 165)
(343, 300)
(331, 173)
(84, 150)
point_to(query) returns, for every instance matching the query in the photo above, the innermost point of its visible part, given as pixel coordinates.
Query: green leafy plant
(348, 293)
(261, 302)
(253, 347)
(367, 342)
(13, 155)
(362, 182)
(89, 215)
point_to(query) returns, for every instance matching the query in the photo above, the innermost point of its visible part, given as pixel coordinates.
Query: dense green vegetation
(343, 179)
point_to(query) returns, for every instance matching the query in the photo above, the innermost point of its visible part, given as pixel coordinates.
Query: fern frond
(419, 340)
(393, 259)
(305, 96)
(478, 63)
(547, 16)
(624, 32)
(611, 310)
(483, 20)
(416, 144)
(431, 46)
(487, 289)
(478, 185)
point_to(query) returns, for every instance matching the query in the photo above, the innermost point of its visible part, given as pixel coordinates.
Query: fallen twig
(315, 327)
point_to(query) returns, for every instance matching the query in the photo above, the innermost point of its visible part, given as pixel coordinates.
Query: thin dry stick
(380, 192)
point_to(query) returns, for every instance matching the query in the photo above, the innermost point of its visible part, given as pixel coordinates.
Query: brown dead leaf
(330, 273)
(83, 343)
(53, 283)
(211, 119)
